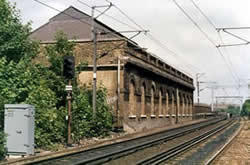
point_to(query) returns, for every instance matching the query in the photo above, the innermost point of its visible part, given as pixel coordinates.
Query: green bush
(83, 123)
(49, 120)
(2, 144)
(21, 81)
(246, 109)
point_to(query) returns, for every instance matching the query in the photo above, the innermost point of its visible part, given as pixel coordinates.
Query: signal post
(69, 73)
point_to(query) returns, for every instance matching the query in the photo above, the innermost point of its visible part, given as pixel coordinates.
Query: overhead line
(232, 28)
(85, 22)
(220, 37)
(205, 34)
(125, 15)
(82, 21)
(204, 15)
(153, 38)
(193, 21)
(230, 62)
(108, 15)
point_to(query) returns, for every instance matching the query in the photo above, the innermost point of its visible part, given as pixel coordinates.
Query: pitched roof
(75, 24)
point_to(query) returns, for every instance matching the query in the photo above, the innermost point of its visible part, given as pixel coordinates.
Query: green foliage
(14, 41)
(21, 81)
(246, 108)
(233, 110)
(49, 120)
(56, 52)
(84, 125)
(2, 148)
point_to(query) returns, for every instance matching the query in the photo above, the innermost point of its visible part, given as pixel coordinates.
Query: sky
(182, 43)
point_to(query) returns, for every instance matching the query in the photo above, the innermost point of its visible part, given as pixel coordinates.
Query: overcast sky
(167, 23)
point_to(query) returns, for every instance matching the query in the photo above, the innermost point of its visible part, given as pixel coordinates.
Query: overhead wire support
(195, 23)
(234, 35)
(94, 37)
(232, 28)
(235, 75)
(228, 45)
(117, 20)
(205, 34)
(126, 15)
(108, 7)
(151, 37)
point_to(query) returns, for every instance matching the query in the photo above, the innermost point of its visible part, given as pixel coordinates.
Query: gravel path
(238, 152)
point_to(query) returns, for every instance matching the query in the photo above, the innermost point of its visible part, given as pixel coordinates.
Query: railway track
(223, 148)
(112, 151)
(176, 150)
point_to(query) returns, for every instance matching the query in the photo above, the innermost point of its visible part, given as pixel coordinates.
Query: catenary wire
(158, 42)
(151, 37)
(207, 37)
(235, 75)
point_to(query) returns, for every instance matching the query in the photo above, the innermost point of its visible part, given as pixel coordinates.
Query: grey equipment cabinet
(19, 125)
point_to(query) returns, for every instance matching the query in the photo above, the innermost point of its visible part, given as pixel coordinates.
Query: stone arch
(132, 98)
(143, 99)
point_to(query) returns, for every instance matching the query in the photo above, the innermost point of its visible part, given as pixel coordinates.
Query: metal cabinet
(19, 124)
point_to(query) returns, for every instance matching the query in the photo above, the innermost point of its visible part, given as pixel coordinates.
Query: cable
(117, 20)
(196, 24)
(212, 24)
(205, 34)
(113, 33)
(160, 44)
(230, 62)
(163, 46)
(151, 37)
(82, 21)
(126, 15)
(197, 7)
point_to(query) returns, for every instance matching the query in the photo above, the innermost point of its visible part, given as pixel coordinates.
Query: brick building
(143, 91)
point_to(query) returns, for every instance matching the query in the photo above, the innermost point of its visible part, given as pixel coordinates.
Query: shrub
(83, 123)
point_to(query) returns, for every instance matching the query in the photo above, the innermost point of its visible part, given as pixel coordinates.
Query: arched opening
(143, 88)
(132, 99)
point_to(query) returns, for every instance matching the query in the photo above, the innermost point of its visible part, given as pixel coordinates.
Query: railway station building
(143, 91)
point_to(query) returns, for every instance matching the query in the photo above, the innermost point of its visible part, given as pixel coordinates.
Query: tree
(14, 37)
(23, 81)
(246, 109)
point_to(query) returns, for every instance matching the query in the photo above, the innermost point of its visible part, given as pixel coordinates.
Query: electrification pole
(94, 38)
(198, 75)
(93, 30)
